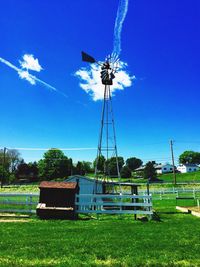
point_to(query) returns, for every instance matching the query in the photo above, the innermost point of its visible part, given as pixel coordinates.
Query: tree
(149, 171)
(27, 171)
(112, 165)
(87, 166)
(79, 168)
(133, 163)
(8, 163)
(125, 172)
(14, 159)
(22, 170)
(101, 163)
(189, 157)
(54, 165)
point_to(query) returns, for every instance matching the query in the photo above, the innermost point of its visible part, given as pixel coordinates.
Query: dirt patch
(195, 209)
(192, 210)
(12, 217)
(13, 220)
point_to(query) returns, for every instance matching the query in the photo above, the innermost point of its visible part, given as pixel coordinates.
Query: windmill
(107, 146)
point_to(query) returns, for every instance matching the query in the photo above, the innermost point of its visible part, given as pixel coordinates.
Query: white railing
(18, 202)
(172, 193)
(114, 204)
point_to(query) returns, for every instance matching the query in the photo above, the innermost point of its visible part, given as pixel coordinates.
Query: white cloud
(91, 80)
(25, 75)
(30, 63)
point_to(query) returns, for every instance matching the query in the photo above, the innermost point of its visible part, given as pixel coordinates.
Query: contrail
(121, 14)
(9, 64)
(31, 78)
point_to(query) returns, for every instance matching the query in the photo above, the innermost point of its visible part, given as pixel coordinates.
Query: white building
(184, 168)
(163, 168)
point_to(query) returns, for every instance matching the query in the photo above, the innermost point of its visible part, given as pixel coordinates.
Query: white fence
(18, 202)
(99, 203)
(114, 204)
(90, 203)
(172, 193)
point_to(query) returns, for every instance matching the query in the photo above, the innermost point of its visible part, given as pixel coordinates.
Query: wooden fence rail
(98, 203)
(114, 204)
(10, 202)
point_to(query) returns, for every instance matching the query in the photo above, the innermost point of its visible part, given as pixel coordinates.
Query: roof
(83, 178)
(123, 183)
(160, 166)
(189, 165)
(156, 166)
(140, 168)
(60, 185)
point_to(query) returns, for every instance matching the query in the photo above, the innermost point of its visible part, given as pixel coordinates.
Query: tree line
(55, 164)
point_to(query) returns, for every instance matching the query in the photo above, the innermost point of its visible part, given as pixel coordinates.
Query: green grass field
(193, 177)
(109, 241)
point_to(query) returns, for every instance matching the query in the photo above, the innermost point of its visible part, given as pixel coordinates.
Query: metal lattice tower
(107, 146)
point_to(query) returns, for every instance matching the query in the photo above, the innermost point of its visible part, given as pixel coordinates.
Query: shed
(87, 186)
(57, 200)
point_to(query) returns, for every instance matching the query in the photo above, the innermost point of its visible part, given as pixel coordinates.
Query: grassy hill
(110, 241)
(193, 177)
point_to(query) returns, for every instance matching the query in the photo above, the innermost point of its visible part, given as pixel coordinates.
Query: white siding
(87, 186)
(185, 169)
(166, 168)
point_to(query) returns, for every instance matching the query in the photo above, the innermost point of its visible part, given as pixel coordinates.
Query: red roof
(64, 185)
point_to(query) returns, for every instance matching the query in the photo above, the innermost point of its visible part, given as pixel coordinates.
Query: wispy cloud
(121, 15)
(29, 63)
(91, 80)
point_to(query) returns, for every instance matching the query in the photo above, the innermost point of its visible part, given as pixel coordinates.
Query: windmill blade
(87, 58)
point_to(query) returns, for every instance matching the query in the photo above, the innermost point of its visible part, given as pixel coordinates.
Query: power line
(46, 149)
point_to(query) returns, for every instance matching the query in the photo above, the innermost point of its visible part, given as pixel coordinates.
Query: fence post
(30, 203)
(194, 195)
(135, 215)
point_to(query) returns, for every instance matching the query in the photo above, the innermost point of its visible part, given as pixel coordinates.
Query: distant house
(163, 168)
(160, 168)
(141, 168)
(184, 168)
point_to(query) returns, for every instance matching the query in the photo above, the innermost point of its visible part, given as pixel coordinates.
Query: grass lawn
(110, 241)
(193, 177)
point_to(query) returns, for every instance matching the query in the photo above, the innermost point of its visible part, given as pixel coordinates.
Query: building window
(190, 169)
(165, 169)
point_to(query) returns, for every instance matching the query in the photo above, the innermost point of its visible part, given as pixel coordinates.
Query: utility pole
(3, 169)
(172, 154)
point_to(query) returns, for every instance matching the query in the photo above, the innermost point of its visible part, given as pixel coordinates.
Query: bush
(125, 172)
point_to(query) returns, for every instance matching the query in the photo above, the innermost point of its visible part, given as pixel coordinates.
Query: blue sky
(160, 42)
